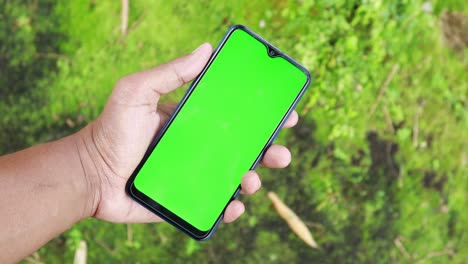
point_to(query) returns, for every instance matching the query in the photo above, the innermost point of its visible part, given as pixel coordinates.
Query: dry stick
(104, 246)
(133, 26)
(81, 253)
(402, 249)
(124, 21)
(136, 23)
(383, 88)
(435, 254)
(129, 233)
(51, 55)
(463, 159)
(294, 222)
(31, 260)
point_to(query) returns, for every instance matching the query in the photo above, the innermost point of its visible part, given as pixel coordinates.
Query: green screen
(220, 130)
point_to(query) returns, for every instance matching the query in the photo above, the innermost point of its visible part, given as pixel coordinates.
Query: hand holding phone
(111, 147)
(222, 127)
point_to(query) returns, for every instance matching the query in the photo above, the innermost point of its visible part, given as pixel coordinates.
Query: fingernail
(197, 49)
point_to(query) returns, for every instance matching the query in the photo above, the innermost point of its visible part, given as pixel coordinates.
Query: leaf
(294, 222)
(80, 253)
(403, 134)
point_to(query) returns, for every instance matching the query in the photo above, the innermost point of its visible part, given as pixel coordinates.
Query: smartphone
(221, 128)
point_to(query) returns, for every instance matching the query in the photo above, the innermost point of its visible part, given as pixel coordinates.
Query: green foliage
(372, 178)
(28, 51)
(28, 35)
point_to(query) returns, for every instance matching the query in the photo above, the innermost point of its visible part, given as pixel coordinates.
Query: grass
(369, 187)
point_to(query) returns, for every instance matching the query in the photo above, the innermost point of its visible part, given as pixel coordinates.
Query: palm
(130, 127)
(129, 122)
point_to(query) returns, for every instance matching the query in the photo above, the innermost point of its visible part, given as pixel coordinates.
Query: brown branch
(136, 23)
(383, 88)
(402, 249)
(129, 233)
(31, 260)
(435, 254)
(124, 19)
(81, 253)
(104, 246)
(51, 56)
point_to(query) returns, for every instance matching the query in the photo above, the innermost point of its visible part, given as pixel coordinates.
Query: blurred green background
(379, 171)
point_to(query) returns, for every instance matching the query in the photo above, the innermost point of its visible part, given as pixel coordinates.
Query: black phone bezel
(165, 213)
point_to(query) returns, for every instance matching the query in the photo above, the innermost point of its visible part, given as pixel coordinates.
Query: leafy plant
(379, 156)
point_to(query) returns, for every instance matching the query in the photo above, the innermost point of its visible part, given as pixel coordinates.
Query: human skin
(47, 188)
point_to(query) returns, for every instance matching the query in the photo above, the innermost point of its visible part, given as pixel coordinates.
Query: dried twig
(34, 258)
(129, 233)
(51, 55)
(383, 88)
(104, 246)
(435, 254)
(136, 23)
(31, 260)
(463, 159)
(294, 222)
(402, 249)
(80, 253)
(124, 19)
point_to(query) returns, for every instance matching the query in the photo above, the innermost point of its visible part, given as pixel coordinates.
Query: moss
(366, 172)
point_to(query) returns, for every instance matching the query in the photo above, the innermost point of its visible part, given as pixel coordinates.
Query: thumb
(151, 83)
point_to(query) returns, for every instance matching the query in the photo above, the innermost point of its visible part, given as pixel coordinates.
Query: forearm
(43, 191)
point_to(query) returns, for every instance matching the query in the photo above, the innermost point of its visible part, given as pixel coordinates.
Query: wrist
(90, 180)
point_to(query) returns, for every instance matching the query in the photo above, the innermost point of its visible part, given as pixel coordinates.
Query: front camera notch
(272, 52)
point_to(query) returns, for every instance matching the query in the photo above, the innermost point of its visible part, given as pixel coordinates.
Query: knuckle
(127, 89)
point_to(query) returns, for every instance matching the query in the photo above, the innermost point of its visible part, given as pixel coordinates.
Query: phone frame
(165, 213)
